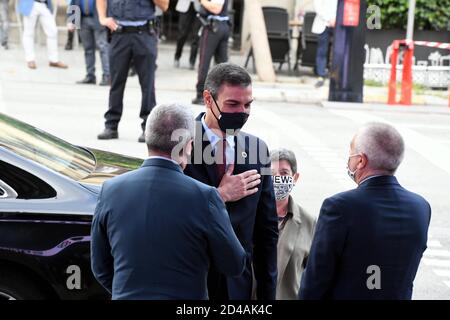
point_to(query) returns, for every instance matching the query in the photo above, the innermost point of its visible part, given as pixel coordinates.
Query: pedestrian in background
(93, 36)
(323, 25)
(214, 40)
(188, 24)
(133, 39)
(369, 240)
(32, 10)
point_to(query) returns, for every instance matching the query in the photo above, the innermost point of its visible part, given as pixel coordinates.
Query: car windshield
(41, 147)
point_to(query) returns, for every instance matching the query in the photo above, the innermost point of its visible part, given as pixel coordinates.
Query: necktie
(221, 160)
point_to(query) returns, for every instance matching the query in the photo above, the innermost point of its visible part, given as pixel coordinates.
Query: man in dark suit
(155, 230)
(93, 35)
(369, 241)
(238, 164)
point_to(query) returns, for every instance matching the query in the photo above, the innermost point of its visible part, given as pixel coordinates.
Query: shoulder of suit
(344, 195)
(124, 177)
(343, 199)
(200, 186)
(417, 197)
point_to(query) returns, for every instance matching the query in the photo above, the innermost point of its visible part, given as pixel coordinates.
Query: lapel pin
(244, 154)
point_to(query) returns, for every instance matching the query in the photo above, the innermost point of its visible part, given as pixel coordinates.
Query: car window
(25, 184)
(45, 149)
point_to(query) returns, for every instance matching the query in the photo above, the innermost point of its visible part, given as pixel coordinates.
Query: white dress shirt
(214, 139)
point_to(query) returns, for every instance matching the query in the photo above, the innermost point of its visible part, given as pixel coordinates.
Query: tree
(429, 14)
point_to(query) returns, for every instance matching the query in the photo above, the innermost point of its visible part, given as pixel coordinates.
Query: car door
(43, 253)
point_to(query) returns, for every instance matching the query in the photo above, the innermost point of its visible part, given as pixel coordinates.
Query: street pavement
(282, 114)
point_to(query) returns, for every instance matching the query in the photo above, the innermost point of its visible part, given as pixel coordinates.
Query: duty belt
(149, 26)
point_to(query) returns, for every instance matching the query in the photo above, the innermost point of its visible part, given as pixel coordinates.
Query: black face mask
(230, 120)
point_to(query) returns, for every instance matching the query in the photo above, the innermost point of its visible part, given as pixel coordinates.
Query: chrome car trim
(5, 296)
(8, 192)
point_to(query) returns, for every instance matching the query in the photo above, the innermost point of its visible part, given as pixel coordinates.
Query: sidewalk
(429, 109)
(297, 88)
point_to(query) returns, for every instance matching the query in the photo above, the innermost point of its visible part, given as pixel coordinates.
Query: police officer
(133, 38)
(214, 39)
(188, 24)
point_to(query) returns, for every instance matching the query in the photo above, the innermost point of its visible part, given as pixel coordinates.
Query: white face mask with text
(282, 186)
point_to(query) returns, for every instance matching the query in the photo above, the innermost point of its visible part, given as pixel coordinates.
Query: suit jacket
(25, 6)
(379, 225)
(325, 12)
(155, 232)
(293, 250)
(254, 218)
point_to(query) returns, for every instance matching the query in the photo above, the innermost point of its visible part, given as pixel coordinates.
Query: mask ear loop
(215, 102)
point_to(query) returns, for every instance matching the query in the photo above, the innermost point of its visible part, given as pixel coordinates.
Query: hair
(167, 126)
(382, 144)
(285, 154)
(226, 73)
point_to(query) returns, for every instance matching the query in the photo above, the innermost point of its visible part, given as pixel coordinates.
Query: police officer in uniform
(214, 39)
(133, 38)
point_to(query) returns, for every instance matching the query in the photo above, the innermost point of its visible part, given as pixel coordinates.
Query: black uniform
(188, 24)
(213, 42)
(132, 43)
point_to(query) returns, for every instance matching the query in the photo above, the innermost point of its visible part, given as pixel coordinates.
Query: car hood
(107, 166)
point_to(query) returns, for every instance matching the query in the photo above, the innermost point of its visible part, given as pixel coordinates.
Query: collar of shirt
(164, 158)
(283, 220)
(214, 139)
(368, 178)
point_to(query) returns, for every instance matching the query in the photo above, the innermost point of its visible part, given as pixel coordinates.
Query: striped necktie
(221, 159)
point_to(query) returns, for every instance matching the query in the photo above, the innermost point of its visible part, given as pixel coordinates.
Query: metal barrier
(406, 84)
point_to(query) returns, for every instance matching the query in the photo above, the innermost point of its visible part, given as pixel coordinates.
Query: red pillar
(406, 97)
(392, 99)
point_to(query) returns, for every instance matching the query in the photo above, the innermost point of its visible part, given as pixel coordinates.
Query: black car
(48, 193)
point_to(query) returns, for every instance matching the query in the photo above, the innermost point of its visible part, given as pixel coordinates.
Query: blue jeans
(92, 37)
(322, 52)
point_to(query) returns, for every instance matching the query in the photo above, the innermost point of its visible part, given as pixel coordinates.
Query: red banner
(351, 13)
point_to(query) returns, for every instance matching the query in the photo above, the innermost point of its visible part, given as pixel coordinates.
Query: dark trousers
(188, 24)
(212, 44)
(323, 43)
(93, 37)
(141, 48)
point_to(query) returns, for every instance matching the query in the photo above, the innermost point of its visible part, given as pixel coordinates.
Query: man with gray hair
(369, 241)
(155, 231)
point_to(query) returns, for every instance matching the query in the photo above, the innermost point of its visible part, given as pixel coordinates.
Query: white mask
(351, 173)
(282, 186)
